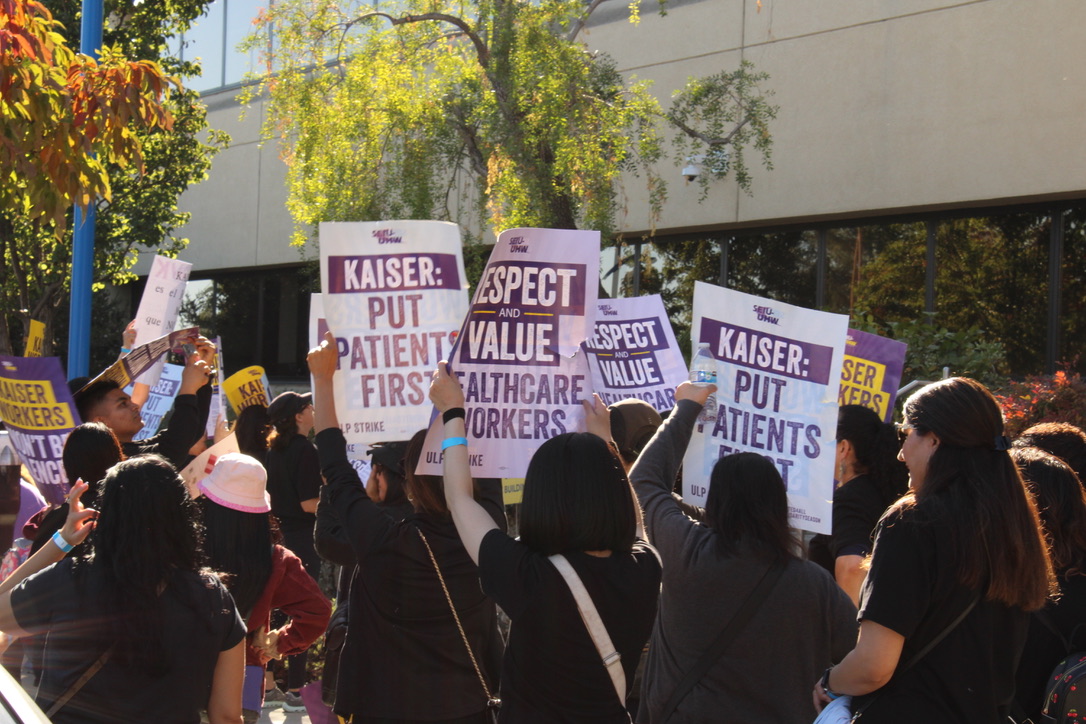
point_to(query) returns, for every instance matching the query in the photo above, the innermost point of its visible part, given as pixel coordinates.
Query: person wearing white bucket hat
(239, 540)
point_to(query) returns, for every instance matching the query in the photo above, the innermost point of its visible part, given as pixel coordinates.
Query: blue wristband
(59, 542)
(453, 442)
(125, 350)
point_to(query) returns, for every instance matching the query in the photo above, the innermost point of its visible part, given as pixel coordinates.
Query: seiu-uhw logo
(765, 314)
(387, 236)
(518, 245)
(608, 311)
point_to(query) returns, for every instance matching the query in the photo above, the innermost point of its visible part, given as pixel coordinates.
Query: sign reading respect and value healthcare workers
(778, 374)
(517, 355)
(394, 295)
(871, 373)
(37, 410)
(633, 353)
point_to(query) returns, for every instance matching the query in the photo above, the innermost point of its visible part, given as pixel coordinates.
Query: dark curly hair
(148, 529)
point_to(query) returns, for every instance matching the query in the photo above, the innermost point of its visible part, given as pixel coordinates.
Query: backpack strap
(612, 660)
(724, 639)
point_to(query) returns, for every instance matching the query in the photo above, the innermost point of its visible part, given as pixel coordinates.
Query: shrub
(1043, 398)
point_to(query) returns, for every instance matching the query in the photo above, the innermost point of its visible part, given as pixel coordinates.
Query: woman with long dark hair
(252, 429)
(577, 503)
(294, 483)
(239, 541)
(957, 565)
(163, 633)
(711, 569)
(1061, 624)
(406, 657)
(869, 479)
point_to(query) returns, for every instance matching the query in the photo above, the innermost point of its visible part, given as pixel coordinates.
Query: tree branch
(579, 24)
(481, 50)
(708, 140)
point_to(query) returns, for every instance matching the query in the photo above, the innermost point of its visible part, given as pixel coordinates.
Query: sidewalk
(277, 716)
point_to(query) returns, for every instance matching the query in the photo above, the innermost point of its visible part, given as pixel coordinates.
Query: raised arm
(598, 422)
(322, 365)
(76, 528)
(471, 519)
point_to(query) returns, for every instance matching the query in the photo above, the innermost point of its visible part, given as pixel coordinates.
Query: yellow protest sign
(246, 388)
(35, 339)
(512, 490)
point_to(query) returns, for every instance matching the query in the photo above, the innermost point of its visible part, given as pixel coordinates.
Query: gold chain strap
(478, 672)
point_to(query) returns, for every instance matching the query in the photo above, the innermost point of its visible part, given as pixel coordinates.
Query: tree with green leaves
(134, 151)
(491, 113)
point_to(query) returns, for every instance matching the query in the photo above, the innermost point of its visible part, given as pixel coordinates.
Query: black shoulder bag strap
(724, 639)
(857, 713)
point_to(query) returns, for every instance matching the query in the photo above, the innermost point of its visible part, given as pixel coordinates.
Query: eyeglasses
(903, 431)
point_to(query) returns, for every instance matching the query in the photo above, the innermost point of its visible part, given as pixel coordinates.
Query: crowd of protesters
(952, 582)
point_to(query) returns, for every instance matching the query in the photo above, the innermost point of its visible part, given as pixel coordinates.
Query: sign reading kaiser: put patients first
(394, 296)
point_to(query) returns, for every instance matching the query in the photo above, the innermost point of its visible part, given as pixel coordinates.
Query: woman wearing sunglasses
(957, 565)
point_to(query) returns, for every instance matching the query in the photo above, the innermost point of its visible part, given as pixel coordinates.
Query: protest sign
(217, 410)
(778, 373)
(871, 373)
(633, 353)
(248, 387)
(159, 400)
(394, 295)
(157, 314)
(125, 370)
(202, 465)
(37, 410)
(35, 339)
(517, 356)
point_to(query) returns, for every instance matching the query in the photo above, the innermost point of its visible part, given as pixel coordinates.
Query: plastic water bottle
(703, 372)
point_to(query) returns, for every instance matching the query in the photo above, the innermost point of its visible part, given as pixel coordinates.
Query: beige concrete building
(905, 110)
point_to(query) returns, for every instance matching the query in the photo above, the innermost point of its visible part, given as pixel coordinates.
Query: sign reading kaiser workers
(394, 295)
(778, 374)
(871, 373)
(517, 355)
(633, 353)
(37, 410)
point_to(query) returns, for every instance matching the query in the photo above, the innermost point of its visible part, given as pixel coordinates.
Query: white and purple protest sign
(159, 305)
(394, 295)
(159, 400)
(37, 410)
(517, 356)
(778, 374)
(633, 353)
(871, 373)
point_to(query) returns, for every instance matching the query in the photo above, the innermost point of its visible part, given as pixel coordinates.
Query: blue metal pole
(79, 323)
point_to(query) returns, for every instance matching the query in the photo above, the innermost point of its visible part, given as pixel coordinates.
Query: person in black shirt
(960, 561)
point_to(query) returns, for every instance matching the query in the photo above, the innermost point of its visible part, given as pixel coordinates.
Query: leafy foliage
(967, 353)
(1043, 398)
(489, 113)
(146, 150)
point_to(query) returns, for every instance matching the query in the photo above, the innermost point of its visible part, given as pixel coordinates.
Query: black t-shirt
(968, 678)
(1044, 649)
(200, 622)
(294, 475)
(552, 672)
(857, 507)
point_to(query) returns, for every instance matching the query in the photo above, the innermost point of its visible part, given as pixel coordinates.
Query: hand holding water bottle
(702, 373)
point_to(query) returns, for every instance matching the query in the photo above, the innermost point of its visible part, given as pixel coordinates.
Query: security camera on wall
(692, 169)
